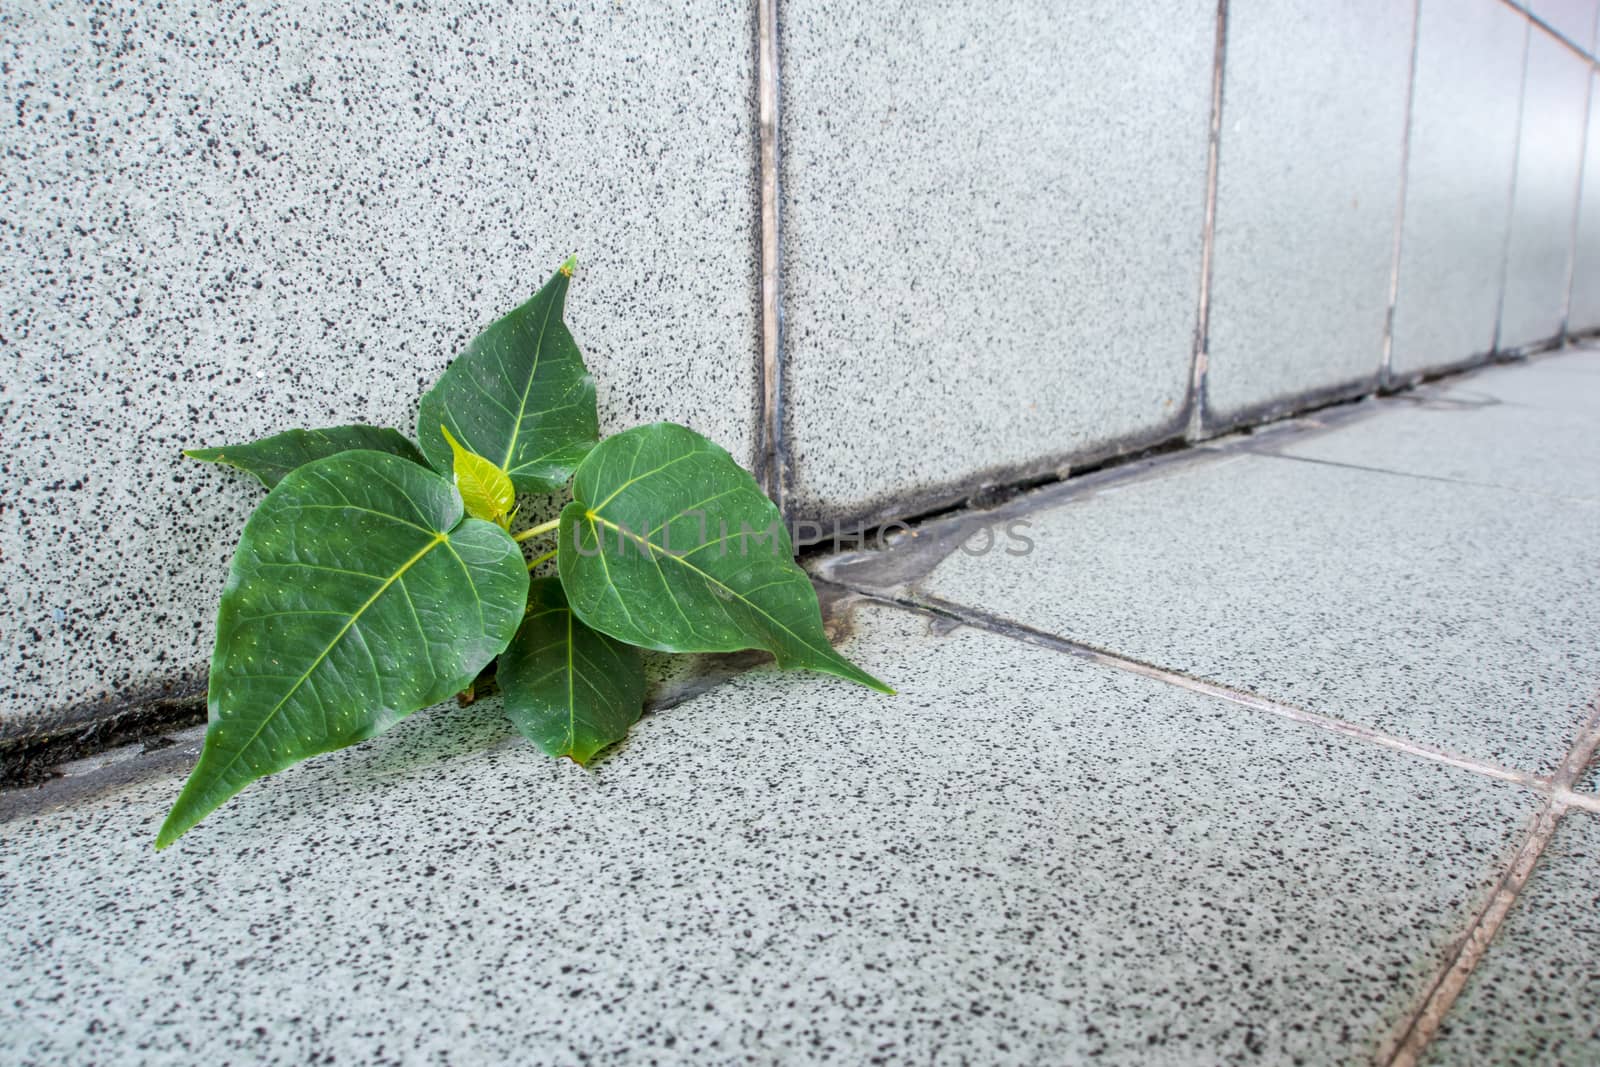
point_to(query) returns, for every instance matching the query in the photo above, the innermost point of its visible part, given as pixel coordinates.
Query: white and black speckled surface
(219, 221)
(993, 218)
(1314, 116)
(1463, 151)
(1021, 858)
(1545, 204)
(1391, 601)
(1560, 383)
(1489, 428)
(1535, 996)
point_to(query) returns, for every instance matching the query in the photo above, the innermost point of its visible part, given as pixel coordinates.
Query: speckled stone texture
(1022, 858)
(1572, 19)
(993, 218)
(1533, 999)
(1543, 211)
(1386, 600)
(1564, 384)
(222, 221)
(1474, 431)
(1308, 186)
(1463, 148)
(1583, 313)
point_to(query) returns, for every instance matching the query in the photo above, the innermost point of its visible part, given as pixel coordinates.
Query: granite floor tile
(1534, 998)
(1565, 384)
(1579, 357)
(1394, 602)
(1021, 858)
(1466, 432)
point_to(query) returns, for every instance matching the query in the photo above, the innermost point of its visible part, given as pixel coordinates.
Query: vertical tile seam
(772, 457)
(1386, 357)
(1511, 196)
(1200, 357)
(1577, 198)
(1415, 1033)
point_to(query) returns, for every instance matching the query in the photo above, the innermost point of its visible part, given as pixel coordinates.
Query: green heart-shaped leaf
(358, 594)
(669, 544)
(519, 396)
(270, 458)
(568, 689)
(484, 488)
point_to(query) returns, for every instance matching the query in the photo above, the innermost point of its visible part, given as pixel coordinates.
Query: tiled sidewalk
(1268, 752)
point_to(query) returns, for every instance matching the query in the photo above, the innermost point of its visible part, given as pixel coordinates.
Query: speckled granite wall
(1314, 116)
(997, 239)
(1583, 313)
(217, 221)
(1555, 90)
(993, 225)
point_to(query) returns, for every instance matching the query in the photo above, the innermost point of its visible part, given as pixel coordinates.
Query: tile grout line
(1310, 420)
(1539, 21)
(1412, 1039)
(772, 455)
(1584, 746)
(1416, 1032)
(967, 616)
(1201, 356)
(1386, 357)
(1511, 195)
(1577, 203)
(1413, 1035)
(1573, 799)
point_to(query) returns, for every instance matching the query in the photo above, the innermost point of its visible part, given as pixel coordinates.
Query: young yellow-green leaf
(484, 488)
(519, 396)
(358, 594)
(669, 544)
(568, 689)
(270, 458)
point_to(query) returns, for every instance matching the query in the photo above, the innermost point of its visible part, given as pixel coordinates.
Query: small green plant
(379, 576)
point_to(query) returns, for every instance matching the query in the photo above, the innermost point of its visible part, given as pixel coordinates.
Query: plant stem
(542, 528)
(542, 559)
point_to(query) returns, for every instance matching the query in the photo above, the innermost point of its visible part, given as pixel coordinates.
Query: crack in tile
(1270, 453)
